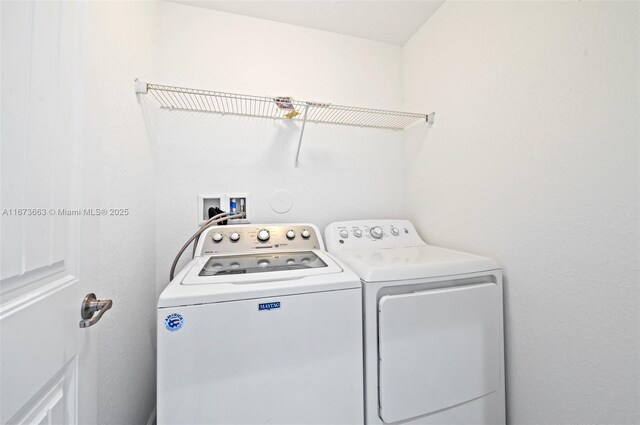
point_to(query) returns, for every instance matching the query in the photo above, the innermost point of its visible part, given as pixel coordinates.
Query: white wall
(121, 45)
(533, 160)
(345, 172)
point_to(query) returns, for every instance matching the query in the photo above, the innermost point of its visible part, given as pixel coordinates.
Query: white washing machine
(434, 350)
(262, 326)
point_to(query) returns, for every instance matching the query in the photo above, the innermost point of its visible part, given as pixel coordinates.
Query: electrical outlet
(227, 202)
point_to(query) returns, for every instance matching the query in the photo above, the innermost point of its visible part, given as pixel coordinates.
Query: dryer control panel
(246, 238)
(363, 234)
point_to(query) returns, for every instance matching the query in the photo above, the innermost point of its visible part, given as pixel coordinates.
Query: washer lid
(260, 263)
(252, 268)
(389, 264)
(189, 287)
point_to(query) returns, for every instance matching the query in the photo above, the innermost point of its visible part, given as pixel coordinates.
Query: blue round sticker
(173, 322)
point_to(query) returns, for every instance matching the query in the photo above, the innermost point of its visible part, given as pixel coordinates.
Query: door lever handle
(91, 305)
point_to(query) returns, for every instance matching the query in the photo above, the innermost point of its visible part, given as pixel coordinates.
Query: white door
(47, 363)
(438, 348)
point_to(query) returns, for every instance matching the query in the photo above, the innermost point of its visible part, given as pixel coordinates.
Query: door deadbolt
(92, 310)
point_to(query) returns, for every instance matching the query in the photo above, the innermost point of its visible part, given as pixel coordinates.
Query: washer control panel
(371, 234)
(233, 239)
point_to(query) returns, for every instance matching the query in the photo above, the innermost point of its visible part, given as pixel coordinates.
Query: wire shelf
(180, 98)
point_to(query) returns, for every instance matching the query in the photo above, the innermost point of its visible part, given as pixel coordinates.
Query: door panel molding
(39, 334)
(48, 286)
(35, 281)
(55, 403)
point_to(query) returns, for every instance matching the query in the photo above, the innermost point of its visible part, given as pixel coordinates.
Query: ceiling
(387, 21)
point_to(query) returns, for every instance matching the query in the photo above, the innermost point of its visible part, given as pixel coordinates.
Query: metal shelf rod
(304, 122)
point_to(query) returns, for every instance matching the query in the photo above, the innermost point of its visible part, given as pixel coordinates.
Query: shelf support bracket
(431, 118)
(140, 87)
(304, 122)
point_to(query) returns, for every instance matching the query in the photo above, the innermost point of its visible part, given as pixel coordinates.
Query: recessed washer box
(226, 202)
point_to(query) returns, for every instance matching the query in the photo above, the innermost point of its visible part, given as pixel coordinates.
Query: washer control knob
(376, 232)
(305, 234)
(394, 231)
(263, 235)
(344, 234)
(357, 233)
(291, 234)
(217, 237)
(235, 237)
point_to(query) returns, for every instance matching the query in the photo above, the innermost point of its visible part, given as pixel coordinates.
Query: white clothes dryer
(433, 326)
(262, 326)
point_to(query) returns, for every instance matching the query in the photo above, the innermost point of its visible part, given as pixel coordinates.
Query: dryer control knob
(217, 237)
(305, 234)
(376, 232)
(357, 233)
(235, 236)
(344, 234)
(263, 235)
(291, 234)
(394, 231)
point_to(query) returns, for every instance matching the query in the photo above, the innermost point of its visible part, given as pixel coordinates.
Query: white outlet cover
(281, 201)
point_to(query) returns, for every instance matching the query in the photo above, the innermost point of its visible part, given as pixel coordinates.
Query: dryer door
(437, 348)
